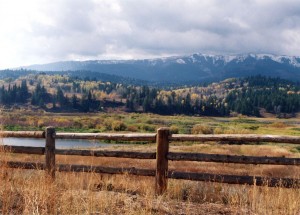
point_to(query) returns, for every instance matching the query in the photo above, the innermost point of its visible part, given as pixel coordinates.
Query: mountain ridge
(187, 68)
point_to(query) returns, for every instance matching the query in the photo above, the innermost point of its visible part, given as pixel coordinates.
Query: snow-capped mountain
(191, 68)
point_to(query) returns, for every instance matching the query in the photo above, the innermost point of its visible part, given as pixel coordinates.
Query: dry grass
(278, 125)
(29, 191)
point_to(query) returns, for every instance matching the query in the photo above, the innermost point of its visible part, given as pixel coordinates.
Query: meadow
(141, 122)
(29, 192)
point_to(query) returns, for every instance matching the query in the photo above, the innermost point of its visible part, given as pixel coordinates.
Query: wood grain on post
(161, 178)
(50, 152)
(50, 168)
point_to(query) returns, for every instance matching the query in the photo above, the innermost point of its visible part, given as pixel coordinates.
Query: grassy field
(29, 192)
(134, 122)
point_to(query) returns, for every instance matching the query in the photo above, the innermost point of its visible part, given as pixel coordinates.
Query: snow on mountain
(198, 58)
(196, 67)
(180, 61)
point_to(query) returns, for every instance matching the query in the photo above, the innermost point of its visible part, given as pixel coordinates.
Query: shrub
(157, 121)
(278, 125)
(253, 127)
(149, 128)
(77, 124)
(118, 126)
(218, 130)
(236, 130)
(41, 123)
(174, 129)
(100, 127)
(62, 122)
(132, 128)
(108, 124)
(202, 129)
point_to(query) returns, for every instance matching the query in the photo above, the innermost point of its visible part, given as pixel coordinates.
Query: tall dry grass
(25, 192)
(30, 192)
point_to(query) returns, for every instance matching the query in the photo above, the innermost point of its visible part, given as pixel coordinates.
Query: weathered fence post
(161, 178)
(50, 152)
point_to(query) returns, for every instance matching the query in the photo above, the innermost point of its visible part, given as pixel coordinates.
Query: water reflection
(60, 143)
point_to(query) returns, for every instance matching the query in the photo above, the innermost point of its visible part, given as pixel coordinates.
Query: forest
(65, 93)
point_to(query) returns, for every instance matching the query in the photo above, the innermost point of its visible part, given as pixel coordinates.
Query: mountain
(187, 69)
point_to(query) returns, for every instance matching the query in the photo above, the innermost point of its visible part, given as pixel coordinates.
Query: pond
(60, 143)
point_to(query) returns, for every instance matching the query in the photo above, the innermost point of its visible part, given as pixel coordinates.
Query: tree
(74, 101)
(61, 99)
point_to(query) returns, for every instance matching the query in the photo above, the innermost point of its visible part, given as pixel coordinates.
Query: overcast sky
(41, 31)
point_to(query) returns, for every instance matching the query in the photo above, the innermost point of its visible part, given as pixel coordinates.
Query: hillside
(63, 93)
(187, 69)
(12, 74)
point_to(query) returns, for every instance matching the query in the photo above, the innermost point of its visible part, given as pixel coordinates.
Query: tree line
(275, 95)
(246, 96)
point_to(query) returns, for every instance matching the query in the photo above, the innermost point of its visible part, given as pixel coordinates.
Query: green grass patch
(245, 120)
(21, 128)
(296, 149)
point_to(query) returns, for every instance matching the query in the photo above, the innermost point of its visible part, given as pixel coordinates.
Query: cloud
(40, 31)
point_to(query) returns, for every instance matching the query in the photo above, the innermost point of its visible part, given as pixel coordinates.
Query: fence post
(50, 152)
(161, 178)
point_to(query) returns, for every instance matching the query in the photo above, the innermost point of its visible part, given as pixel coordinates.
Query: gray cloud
(93, 29)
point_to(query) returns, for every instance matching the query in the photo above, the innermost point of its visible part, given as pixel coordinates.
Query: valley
(150, 107)
(93, 102)
(75, 192)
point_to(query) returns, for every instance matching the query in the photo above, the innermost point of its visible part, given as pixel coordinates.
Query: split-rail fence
(162, 156)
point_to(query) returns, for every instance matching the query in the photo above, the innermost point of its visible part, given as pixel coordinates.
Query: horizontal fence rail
(108, 136)
(117, 154)
(236, 138)
(174, 156)
(162, 155)
(23, 134)
(232, 159)
(220, 178)
(152, 137)
(24, 149)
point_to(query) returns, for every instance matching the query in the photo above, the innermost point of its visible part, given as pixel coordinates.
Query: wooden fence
(162, 156)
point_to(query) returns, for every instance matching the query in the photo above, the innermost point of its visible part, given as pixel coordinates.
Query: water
(59, 143)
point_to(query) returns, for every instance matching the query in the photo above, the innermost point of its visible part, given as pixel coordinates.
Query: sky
(44, 31)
